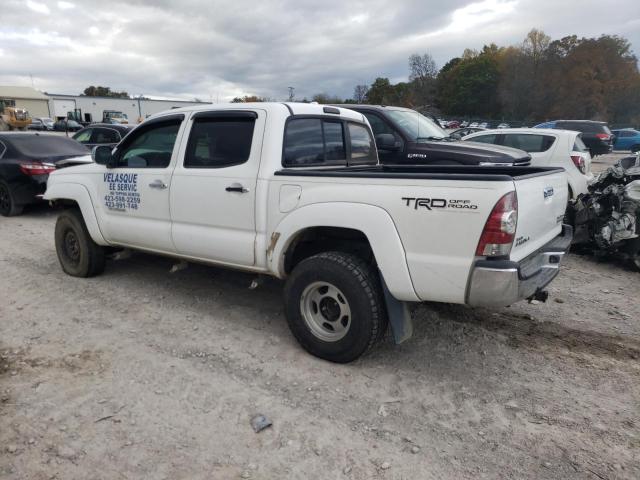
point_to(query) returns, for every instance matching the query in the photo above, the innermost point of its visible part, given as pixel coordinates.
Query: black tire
(357, 284)
(78, 254)
(635, 149)
(8, 207)
(632, 249)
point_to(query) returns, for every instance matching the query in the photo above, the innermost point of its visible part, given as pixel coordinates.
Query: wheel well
(65, 203)
(312, 241)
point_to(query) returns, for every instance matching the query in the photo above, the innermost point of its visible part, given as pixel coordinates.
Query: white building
(36, 103)
(91, 108)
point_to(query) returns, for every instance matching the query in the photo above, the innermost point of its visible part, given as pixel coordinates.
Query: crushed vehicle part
(608, 217)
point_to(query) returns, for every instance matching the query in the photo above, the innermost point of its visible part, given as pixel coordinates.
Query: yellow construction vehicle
(13, 118)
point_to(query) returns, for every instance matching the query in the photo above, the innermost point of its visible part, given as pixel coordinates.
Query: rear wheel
(635, 148)
(78, 254)
(8, 207)
(334, 306)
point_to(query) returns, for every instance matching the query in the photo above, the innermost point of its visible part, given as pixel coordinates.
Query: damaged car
(607, 219)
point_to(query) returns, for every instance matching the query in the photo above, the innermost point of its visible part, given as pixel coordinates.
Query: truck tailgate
(542, 201)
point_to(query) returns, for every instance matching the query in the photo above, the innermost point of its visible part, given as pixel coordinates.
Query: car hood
(470, 152)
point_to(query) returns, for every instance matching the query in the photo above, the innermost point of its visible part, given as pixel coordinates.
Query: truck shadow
(524, 332)
(205, 289)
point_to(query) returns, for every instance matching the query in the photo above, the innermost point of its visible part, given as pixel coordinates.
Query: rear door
(542, 201)
(213, 190)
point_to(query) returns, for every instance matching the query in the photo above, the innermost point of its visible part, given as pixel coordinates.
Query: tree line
(539, 79)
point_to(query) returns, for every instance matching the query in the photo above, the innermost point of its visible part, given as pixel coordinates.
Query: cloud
(220, 49)
(38, 7)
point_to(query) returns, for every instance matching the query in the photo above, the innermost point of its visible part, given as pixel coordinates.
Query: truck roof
(290, 108)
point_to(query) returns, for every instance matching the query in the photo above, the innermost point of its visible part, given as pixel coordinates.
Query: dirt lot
(142, 374)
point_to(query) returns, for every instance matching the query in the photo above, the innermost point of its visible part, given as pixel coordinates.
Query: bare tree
(422, 75)
(360, 93)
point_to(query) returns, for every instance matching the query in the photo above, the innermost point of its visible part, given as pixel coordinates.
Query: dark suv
(595, 135)
(404, 136)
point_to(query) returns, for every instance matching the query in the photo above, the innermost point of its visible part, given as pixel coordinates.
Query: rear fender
(375, 223)
(80, 195)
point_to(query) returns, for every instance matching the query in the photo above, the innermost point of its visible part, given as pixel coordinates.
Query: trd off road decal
(439, 203)
(122, 191)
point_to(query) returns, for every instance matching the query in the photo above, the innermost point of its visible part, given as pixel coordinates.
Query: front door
(135, 194)
(213, 191)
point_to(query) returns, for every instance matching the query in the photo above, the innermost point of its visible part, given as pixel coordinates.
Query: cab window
(313, 141)
(219, 142)
(150, 146)
(362, 146)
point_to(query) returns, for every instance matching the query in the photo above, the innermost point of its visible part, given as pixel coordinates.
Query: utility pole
(291, 93)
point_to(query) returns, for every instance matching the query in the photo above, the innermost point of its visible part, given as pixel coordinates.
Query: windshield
(416, 126)
(39, 147)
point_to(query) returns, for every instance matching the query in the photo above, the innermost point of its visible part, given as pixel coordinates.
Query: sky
(216, 50)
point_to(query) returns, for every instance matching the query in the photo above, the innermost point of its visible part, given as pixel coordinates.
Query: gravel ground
(141, 374)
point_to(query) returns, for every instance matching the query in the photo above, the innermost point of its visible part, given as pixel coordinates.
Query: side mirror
(101, 154)
(386, 141)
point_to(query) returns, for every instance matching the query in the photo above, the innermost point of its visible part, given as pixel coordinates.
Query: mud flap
(399, 316)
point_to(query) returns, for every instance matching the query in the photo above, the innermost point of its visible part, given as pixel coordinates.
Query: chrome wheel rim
(326, 311)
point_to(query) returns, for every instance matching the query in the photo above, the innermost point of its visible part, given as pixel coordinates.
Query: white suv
(548, 148)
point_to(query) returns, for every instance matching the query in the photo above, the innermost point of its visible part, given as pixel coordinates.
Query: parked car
(453, 124)
(270, 188)
(67, 125)
(102, 134)
(46, 122)
(548, 148)
(404, 136)
(463, 132)
(36, 124)
(627, 139)
(26, 160)
(474, 125)
(503, 125)
(595, 135)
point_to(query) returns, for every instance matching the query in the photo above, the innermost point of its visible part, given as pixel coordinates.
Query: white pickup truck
(295, 191)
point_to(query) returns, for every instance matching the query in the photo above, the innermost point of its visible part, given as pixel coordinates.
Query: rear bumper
(503, 282)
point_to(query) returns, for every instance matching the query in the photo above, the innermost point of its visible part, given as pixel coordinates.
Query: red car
(453, 124)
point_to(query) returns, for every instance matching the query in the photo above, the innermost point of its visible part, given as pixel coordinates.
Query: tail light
(578, 161)
(37, 168)
(500, 229)
(603, 136)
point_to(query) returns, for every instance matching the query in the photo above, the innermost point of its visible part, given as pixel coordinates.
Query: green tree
(99, 91)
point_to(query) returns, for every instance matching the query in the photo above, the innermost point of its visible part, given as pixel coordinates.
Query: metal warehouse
(91, 109)
(35, 102)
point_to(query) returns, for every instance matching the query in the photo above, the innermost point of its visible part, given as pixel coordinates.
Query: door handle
(236, 187)
(159, 184)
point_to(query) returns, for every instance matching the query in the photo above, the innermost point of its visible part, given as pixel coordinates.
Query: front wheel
(78, 254)
(635, 148)
(334, 306)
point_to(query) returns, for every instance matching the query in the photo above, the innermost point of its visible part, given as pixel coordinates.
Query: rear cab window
(326, 141)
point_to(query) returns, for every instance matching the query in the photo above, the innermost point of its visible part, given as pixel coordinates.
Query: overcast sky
(216, 50)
